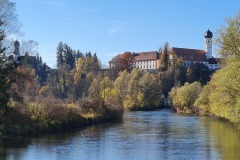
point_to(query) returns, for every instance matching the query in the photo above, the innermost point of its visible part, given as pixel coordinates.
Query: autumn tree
(121, 62)
(134, 98)
(6, 74)
(106, 86)
(9, 24)
(25, 87)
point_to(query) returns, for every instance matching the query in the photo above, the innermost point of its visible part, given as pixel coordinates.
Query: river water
(141, 136)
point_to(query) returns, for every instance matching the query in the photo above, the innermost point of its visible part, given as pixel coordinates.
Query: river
(141, 135)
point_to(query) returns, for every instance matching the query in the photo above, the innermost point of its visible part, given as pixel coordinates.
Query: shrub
(184, 97)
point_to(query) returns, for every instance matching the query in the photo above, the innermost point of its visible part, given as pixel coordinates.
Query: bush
(183, 98)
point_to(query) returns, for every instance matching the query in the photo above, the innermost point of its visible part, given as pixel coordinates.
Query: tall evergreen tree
(79, 55)
(60, 60)
(68, 56)
(164, 57)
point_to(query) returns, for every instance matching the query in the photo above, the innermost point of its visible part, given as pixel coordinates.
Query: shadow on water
(16, 147)
(141, 135)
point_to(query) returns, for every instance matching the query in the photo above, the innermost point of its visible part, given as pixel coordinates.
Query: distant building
(120, 63)
(26, 60)
(193, 56)
(149, 61)
(15, 58)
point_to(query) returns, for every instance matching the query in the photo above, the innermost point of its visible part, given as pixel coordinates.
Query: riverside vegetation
(221, 96)
(35, 99)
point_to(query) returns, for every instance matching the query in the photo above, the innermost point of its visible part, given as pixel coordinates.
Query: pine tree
(60, 60)
(79, 55)
(164, 57)
(96, 65)
(68, 56)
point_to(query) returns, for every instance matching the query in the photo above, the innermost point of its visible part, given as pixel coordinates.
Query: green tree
(120, 86)
(95, 88)
(134, 98)
(222, 96)
(164, 57)
(225, 92)
(106, 86)
(60, 59)
(228, 39)
(152, 91)
(96, 64)
(68, 57)
(202, 101)
(185, 96)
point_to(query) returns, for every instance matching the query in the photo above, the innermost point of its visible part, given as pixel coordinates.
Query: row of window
(189, 63)
(145, 62)
(145, 66)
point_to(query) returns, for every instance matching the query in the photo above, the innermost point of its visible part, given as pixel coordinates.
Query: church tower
(208, 44)
(16, 48)
(16, 56)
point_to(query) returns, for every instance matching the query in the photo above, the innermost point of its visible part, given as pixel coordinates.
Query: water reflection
(141, 135)
(225, 135)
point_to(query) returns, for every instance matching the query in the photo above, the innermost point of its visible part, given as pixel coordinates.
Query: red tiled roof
(143, 56)
(117, 59)
(121, 57)
(190, 54)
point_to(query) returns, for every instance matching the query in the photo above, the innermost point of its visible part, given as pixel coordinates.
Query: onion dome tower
(208, 44)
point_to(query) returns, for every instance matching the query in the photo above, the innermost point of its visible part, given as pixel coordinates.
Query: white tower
(16, 56)
(208, 44)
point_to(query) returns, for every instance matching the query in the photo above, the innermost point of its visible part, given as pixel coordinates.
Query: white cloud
(114, 29)
(116, 26)
(55, 4)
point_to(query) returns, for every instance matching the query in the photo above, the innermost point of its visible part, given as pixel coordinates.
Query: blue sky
(110, 27)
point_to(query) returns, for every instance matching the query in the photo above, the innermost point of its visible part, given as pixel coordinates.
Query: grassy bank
(51, 115)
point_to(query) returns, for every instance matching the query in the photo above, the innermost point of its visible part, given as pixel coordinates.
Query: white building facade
(148, 61)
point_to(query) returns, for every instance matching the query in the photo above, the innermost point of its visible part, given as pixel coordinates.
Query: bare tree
(11, 25)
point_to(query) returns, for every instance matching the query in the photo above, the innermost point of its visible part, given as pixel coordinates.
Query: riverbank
(51, 115)
(201, 112)
(141, 135)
